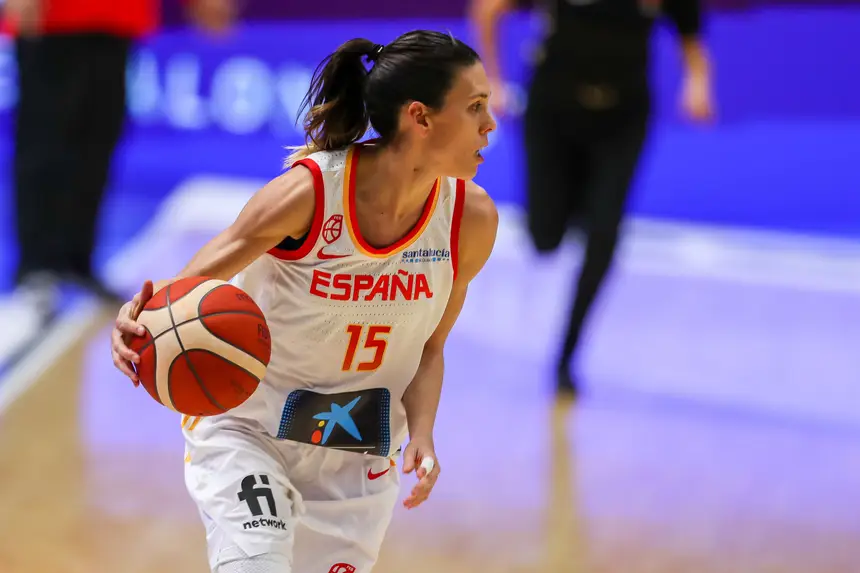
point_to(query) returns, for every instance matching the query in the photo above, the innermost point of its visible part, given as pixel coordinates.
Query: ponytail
(336, 113)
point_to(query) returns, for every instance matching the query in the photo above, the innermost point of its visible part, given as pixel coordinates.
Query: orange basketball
(205, 349)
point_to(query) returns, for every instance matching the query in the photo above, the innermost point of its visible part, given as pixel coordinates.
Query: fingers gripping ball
(205, 349)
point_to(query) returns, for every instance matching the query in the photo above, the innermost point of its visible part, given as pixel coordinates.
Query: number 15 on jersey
(372, 338)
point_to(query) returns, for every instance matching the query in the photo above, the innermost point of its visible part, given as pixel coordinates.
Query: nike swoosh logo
(322, 255)
(373, 476)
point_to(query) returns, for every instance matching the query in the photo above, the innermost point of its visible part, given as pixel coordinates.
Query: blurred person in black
(586, 121)
(71, 60)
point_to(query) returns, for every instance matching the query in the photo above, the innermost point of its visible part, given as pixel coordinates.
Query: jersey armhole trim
(459, 199)
(316, 223)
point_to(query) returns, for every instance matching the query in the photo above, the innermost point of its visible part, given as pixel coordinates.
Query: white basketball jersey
(343, 315)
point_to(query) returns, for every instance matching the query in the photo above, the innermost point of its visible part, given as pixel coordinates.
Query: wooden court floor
(91, 482)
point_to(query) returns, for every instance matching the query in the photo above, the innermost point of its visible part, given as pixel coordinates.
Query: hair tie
(374, 54)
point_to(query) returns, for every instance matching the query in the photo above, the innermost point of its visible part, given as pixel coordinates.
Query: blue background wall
(783, 155)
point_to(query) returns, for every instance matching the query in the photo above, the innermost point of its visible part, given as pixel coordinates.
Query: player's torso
(344, 316)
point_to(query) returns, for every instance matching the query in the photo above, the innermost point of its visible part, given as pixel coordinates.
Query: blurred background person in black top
(587, 117)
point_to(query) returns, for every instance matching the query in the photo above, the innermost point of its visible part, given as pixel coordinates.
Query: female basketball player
(360, 255)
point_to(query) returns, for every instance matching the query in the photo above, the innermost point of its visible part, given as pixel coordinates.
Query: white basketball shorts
(324, 510)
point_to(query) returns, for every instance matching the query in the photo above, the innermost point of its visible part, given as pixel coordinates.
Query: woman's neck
(393, 180)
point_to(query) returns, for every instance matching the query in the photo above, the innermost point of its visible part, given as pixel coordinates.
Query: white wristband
(428, 464)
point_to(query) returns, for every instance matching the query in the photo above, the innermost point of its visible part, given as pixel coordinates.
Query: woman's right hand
(125, 328)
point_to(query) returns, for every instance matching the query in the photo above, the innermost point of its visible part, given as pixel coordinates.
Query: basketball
(205, 349)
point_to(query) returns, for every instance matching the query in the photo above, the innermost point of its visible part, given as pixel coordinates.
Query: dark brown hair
(345, 98)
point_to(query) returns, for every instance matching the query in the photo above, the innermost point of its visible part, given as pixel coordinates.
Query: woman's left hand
(414, 456)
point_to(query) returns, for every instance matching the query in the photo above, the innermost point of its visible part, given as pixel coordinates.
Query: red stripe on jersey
(352, 217)
(459, 199)
(319, 212)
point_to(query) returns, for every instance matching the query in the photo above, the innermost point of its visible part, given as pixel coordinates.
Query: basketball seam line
(242, 350)
(155, 375)
(187, 359)
(181, 350)
(201, 283)
(231, 363)
(140, 350)
(190, 320)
